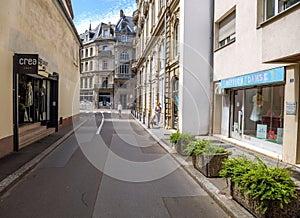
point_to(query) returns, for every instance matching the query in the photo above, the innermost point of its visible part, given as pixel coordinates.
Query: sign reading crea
(27, 63)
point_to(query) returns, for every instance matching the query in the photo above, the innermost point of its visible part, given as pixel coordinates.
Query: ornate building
(106, 57)
(174, 62)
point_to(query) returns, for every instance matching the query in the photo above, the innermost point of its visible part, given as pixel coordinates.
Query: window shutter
(227, 27)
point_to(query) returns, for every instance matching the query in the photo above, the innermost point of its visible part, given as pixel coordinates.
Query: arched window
(124, 56)
(176, 39)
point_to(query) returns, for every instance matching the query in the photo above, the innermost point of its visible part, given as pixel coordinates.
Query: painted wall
(195, 69)
(38, 27)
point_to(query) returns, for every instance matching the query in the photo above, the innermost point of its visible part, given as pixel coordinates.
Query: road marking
(101, 124)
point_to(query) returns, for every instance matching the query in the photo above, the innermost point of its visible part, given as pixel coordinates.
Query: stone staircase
(33, 132)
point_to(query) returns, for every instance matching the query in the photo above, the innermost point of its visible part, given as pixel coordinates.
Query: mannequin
(42, 96)
(258, 101)
(28, 101)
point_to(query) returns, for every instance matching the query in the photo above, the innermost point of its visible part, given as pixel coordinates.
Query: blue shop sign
(258, 78)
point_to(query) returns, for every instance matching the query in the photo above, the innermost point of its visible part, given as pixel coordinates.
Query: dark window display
(33, 99)
(263, 113)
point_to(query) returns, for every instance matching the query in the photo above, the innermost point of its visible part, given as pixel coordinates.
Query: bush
(176, 136)
(204, 146)
(259, 181)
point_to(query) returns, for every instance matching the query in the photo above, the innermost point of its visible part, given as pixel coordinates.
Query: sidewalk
(215, 187)
(15, 165)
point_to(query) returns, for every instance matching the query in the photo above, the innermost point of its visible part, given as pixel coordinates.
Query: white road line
(101, 124)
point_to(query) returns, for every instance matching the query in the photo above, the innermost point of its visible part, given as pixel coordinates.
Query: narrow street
(120, 172)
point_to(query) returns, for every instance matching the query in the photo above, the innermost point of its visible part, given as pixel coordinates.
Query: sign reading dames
(27, 63)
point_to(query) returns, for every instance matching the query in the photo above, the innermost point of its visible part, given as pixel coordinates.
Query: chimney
(121, 13)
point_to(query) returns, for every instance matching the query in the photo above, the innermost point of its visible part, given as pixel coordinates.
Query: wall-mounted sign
(262, 77)
(27, 63)
(291, 108)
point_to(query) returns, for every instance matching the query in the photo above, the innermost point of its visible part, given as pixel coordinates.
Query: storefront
(35, 97)
(256, 108)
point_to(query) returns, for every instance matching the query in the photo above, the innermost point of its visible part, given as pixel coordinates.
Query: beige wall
(280, 38)
(38, 27)
(246, 51)
(290, 139)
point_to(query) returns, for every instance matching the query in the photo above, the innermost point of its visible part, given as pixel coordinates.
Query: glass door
(237, 114)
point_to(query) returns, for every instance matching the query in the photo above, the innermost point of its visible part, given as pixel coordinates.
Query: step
(28, 126)
(28, 139)
(32, 131)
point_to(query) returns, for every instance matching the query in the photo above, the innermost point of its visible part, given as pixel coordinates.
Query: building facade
(173, 63)
(106, 59)
(40, 71)
(256, 75)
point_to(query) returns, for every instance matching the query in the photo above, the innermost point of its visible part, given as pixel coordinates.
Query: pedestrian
(157, 113)
(120, 110)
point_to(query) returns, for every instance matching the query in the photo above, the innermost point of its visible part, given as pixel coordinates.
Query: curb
(13, 178)
(231, 207)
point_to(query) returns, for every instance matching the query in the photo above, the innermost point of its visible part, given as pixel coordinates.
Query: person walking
(120, 110)
(157, 113)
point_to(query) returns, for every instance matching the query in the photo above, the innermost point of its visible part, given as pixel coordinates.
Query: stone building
(173, 62)
(40, 70)
(106, 74)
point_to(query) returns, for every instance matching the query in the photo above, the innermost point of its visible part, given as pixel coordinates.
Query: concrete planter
(181, 145)
(291, 210)
(209, 165)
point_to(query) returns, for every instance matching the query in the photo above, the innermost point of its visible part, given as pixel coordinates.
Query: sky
(97, 11)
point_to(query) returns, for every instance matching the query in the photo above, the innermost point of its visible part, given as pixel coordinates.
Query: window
(91, 83)
(86, 53)
(85, 83)
(86, 66)
(91, 51)
(81, 67)
(124, 68)
(91, 65)
(104, 66)
(226, 33)
(81, 83)
(105, 48)
(123, 38)
(124, 56)
(161, 58)
(274, 7)
(176, 39)
(153, 14)
(105, 34)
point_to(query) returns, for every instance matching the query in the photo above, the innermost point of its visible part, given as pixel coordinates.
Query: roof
(125, 22)
(96, 33)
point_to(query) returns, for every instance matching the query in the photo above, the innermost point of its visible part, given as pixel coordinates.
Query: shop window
(226, 30)
(274, 7)
(263, 113)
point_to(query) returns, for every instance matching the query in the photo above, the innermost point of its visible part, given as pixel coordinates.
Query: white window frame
(124, 38)
(279, 6)
(104, 65)
(105, 33)
(124, 56)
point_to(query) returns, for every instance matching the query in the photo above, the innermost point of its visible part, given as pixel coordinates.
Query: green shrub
(204, 146)
(261, 182)
(174, 137)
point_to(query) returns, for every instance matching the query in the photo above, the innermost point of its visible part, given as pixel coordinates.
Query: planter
(209, 165)
(289, 210)
(181, 145)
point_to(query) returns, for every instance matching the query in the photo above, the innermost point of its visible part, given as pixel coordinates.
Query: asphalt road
(121, 172)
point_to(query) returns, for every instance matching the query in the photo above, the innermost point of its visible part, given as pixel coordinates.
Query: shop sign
(291, 108)
(258, 78)
(27, 63)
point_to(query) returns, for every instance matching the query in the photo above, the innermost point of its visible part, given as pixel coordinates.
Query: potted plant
(266, 191)
(207, 157)
(181, 140)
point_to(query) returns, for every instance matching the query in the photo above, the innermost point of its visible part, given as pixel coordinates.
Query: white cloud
(82, 21)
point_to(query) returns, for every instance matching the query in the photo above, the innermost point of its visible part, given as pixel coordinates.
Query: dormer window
(105, 34)
(123, 38)
(105, 48)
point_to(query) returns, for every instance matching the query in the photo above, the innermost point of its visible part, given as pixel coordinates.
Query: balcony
(280, 37)
(105, 53)
(122, 76)
(103, 86)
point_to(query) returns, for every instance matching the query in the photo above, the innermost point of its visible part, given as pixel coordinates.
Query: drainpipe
(211, 62)
(165, 62)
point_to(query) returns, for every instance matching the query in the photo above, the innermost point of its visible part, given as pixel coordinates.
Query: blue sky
(97, 11)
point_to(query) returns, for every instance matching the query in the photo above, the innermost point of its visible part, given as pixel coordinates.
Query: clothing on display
(256, 114)
(29, 95)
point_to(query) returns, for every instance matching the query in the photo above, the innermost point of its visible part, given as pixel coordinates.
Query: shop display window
(263, 113)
